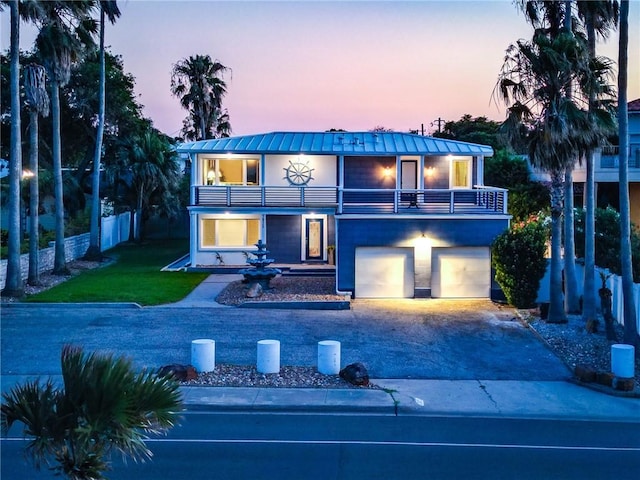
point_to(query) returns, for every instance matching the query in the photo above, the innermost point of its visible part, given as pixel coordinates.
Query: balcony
(477, 201)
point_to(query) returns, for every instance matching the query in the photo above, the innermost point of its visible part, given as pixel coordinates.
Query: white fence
(114, 229)
(614, 283)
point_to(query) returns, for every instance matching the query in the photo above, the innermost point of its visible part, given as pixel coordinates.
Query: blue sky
(315, 65)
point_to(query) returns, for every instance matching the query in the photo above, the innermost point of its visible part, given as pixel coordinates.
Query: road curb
(67, 305)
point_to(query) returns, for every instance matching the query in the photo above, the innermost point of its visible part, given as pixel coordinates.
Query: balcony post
(340, 200)
(452, 200)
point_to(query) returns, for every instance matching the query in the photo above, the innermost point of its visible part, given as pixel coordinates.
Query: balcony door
(408, 180)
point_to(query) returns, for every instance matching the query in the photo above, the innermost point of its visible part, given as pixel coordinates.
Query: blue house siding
(366, 172)
(283, 238)
(352, 233)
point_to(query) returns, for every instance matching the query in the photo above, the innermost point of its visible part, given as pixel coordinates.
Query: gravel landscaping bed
(248, 376)
(283, 288)
(574, 346)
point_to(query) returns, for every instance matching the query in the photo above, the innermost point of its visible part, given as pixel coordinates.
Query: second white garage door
(461, 272)
(384, 272)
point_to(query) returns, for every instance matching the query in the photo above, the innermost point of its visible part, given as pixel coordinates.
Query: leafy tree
(630, 328)
(108, 9)
(607, 240)
(103, 407)
(198, 82)
(518, 256)
(512, 172)
(474, 130)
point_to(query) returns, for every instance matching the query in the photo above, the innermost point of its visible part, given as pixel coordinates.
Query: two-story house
(408, 215)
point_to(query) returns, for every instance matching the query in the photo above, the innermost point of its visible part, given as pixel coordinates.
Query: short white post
(329, 357)
(203, 355)
(622, 360)
(268, 356)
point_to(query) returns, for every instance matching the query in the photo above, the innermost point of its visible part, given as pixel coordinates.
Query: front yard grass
(134, 276)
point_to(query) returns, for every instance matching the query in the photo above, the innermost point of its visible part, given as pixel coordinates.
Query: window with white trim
(231, 171)
(460, 173)
(229, 232)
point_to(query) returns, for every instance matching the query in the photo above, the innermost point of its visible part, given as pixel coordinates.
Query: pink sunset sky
(316, 65)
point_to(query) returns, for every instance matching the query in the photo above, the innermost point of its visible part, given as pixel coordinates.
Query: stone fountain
(261, 273)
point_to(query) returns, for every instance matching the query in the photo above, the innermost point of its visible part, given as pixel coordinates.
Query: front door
(314, 239)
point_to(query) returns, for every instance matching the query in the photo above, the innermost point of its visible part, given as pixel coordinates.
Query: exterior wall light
(430, 171)
(386, 173)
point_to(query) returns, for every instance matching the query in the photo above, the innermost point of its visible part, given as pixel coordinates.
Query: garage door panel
(384, 272)
(461, 272)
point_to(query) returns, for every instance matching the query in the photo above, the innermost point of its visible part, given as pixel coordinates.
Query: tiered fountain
(261, 272)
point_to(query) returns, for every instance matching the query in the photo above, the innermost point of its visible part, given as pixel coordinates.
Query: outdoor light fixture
(430, 171)
(387, 172)
(27, 174)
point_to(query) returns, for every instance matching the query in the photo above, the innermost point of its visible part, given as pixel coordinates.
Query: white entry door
(384, 272)
(463, 272)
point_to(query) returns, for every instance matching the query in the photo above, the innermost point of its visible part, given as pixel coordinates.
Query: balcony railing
(479, 200)
(610, 157)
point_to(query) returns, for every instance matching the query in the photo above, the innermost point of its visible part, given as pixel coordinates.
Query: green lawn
(135, 276)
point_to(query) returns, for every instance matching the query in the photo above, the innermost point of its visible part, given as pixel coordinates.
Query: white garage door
(461, 272)
(384, 272)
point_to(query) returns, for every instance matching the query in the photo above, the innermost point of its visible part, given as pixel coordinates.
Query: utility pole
(440, 122)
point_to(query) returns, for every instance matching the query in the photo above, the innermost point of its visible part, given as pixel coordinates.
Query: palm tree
(102, 407)
(536, 81)
(14, 285)
(198, 82)
(147, 170)
(38, 102)
(599, 17)
(110, 10)
(66, 28)
(630, 327)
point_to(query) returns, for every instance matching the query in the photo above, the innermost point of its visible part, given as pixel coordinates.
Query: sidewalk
(478, 398)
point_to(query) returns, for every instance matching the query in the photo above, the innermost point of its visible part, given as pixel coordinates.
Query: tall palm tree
(536, 82)
(66, 28)
(14, 286)
(630, 327)
(38, 103)
(599, 17)
(110, 10)
(103, 407)
(198, 83)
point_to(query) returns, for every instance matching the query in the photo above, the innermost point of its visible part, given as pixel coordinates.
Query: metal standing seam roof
(336, 143)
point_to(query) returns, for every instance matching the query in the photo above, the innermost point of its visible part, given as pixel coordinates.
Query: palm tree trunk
(589, 301)
(556, 303)
(630, 327)
(59, 261)
(93, 252)
(14, 285)
(572, 298)
(34, 203)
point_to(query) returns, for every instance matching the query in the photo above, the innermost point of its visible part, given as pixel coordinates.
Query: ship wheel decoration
(298, 173)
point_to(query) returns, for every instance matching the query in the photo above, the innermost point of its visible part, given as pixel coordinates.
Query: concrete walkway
(32, 335)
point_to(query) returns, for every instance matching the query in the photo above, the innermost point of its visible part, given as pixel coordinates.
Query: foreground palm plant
(103, 406)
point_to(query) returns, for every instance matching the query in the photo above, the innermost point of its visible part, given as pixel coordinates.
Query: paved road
(267, 446)
(436, 339)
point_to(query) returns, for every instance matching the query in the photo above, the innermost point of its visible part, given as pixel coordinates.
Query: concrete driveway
(417, 339)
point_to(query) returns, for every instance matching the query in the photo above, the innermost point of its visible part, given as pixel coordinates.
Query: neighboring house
(408, 215)
(606, 171)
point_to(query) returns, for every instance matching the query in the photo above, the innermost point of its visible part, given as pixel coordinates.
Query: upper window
(235, 171)
(460, 173)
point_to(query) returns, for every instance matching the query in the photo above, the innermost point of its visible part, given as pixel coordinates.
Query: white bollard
(329, 357)
(622, 360)
(268, 356)
(203, 355)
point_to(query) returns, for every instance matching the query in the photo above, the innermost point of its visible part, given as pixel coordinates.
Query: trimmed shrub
(518, 257)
